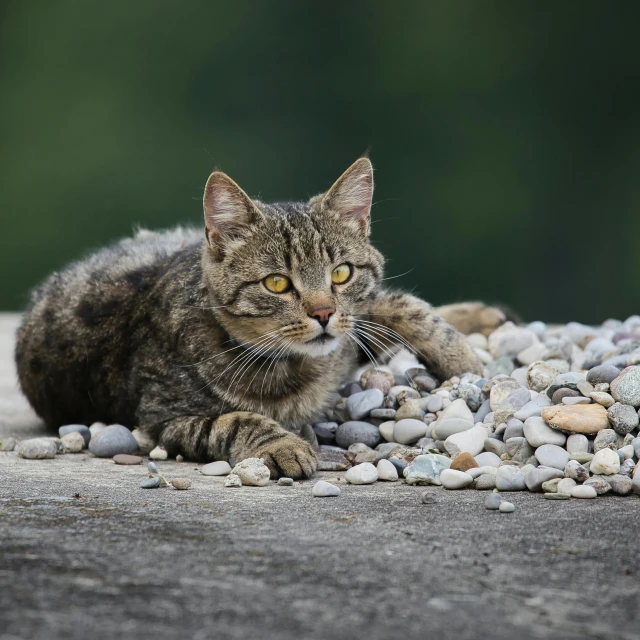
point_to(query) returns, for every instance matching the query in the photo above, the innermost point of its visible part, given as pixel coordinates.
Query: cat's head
(291, 276)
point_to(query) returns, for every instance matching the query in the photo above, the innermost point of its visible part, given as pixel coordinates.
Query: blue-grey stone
(602, 373)
(400, 465)
(360, 404)
(150, 483)
(79, 428)
(492, 501)
(354, 431)
(483, 411)
(426, 469)
(534, 478)
(113, 440)
(152, 467)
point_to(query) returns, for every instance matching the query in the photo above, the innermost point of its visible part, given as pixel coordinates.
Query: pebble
(540, 375)
(551, 486)
(447, 427)
(364, 473)
(605, 399)
(386, 471)
(464, 462)
(453, 479)
(409, 410)
(510, 478)
(150, 483)
(509, 340)
(579, 418)
(252, 472)
(73, 442)
(621, 485)
(557, 496)
(605, 462)
(470, 441)
(232, 480)
(427, 498)
(583, 491)
(532, 408)
(354, 431)
(576, 471)
(486, 481)
(8, 444)
(501, 390)
(565, 485)
(551, 455)
(602, 373)
(285, 482)
(111, 441)
(495, 446)
(179, 458)
(577, 443)
(535, 477)
(96, 428)
(626, 387)
(332, 459)
(485, 459)
(426, 469)
(218, 468)
(623, 418)
(386, 430)
(146, 444)
(408, 431)
(506, 507)
(159, 453)
(322, 489)
(360, 404)
(83, 430)
(492, 501)
(37, 449)
(538, 432)
(599, 484)
(126, 459)
(153, 467)
(606, 439)
(519, 449)
(182, 484)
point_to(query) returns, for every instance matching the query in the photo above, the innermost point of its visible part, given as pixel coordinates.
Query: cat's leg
(473, 317)
(443, 349)
(236, 436)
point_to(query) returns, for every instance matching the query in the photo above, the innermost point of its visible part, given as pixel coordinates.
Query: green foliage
(506, 135)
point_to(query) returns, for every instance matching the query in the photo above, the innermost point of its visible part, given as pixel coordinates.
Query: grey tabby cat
(212, 347)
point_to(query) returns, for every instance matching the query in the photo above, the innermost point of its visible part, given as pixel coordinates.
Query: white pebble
(605, 462)
(253, 472)
(506, 507)
(322, 489)
(454, 479)
(218, 468)
(364, 473)
(159, 453)
(232, 480)
(583, 491)
(386, 471)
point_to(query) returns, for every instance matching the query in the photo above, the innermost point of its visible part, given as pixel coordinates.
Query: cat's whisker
(274, 360)
(383, 328)
(365, 349)
(239, 358)
(242, 344)
(247, 363)
(255, 374)
(377, 341)
(399, 275)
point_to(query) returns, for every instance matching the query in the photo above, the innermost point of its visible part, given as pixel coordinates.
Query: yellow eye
(277, 283)
(341, 274)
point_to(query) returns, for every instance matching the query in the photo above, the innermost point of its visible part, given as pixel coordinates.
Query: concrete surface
(85, 553)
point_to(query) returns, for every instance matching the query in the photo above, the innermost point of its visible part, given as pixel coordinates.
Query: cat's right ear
(228, 211)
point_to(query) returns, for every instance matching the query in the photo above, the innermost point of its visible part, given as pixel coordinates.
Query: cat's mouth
(322, 338)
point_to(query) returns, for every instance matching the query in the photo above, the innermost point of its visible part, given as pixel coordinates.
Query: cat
(217, 345)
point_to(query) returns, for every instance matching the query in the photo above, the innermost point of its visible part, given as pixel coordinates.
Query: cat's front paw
(289, 456)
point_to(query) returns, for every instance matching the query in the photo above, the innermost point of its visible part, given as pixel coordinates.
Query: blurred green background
(505, 135)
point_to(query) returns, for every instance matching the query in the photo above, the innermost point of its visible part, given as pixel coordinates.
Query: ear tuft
(351, 195)
(228, 210)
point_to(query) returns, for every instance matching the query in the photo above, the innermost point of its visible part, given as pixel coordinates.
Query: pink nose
(322, 314)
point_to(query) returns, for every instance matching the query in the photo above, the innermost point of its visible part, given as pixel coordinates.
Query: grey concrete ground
(85, 553)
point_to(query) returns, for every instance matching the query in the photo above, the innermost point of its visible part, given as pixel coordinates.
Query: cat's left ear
(351, 195)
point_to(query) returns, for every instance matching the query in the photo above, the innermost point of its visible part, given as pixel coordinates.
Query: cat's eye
(277, 283)
(341, 274)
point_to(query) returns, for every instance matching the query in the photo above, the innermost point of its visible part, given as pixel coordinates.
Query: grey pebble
(354, 431)
(360, 404)
(153, 467)
(8, 444)
(492, 501)
(506, 507)
(79, 428)
(113, 440)
(557, 496)
(285, 482)
(150, 483)
(37, 449)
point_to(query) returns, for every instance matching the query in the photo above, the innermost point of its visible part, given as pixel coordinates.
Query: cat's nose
(323, 314)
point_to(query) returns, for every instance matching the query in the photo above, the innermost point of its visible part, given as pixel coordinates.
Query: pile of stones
(555, 412)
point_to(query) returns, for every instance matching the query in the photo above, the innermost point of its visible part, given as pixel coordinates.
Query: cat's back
(81, 322)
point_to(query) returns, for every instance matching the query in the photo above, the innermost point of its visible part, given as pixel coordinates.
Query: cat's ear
(351, 195)
(228, 210)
